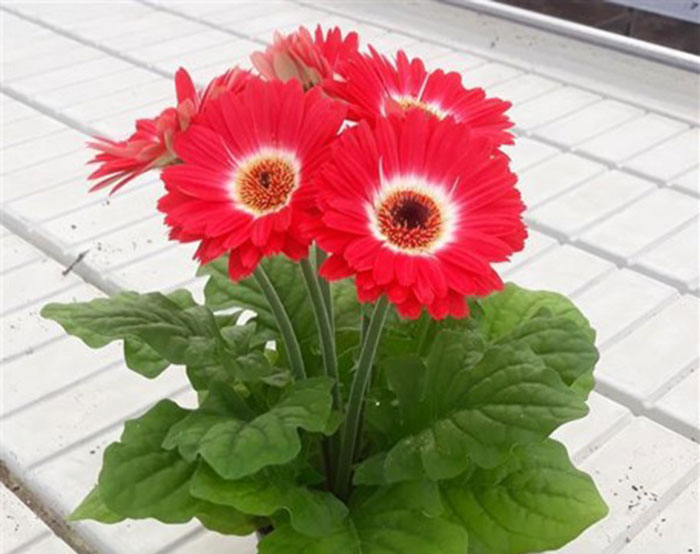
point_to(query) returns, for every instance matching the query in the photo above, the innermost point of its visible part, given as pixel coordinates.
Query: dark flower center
(410, 220)
(265, 184)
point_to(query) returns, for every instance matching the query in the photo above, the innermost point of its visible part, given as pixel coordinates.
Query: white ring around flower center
(418, 186)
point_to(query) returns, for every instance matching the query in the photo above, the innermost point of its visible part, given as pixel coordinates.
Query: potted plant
(389, 394)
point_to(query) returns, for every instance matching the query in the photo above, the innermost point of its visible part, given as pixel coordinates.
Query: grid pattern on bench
(612, 189)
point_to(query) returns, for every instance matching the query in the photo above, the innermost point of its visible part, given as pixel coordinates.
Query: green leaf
(139, 479)
(473, 413)
(142, 359)
(222, 404)
(180, 335)
(561, 344)
(385, 522)
(237, 448)
(93, 507)
(227, 520)
(503, 311)
(538, 501)
(269, 491)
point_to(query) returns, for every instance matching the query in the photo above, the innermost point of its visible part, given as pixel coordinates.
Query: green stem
(325, 285)
(283, 322)
(357, 396)
(330, 361)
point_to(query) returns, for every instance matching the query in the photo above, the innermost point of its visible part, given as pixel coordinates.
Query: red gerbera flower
(375, 87)
(247, 164)
(417, 209)
(308, 59)
(151, 146)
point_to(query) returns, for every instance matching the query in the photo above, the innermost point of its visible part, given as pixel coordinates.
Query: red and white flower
(418, 209)
(309, 59)
(151, 145)
(248, 164)
(374, 86)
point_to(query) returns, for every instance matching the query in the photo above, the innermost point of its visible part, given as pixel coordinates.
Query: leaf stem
(283, 322)
(330, 361)
(357, 395)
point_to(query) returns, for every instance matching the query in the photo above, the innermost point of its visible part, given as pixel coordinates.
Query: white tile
(36, 280)
(50, 368)
(564, 269)
(178, 45)
(24, 330)
(390, 43)
(122, 101)
(588, 122)
(70, 197)
(111, 84)
(57, 422)
(524, 88)
(456, 61)
(632, 137)
(621, 299)
(641, 224)
(584, 436)
(428, 51)
(28, 129)
(18, 524)
(164, 270)
(670, 158)
(554, 176)
(536, 244)
(689, 182)
(679, 408)
(488, 75)
(677, 525)
(48, 545)
(61, 54)
(48, 173)
(646, 363)
(51, 147)
(526, 152)
(633, 472)
(677, 259)
(590, 202)
(12, 110)
(113, 212)
(15, 252)
(127, 244)
(84, 73)
(211, 543)
(550, 106)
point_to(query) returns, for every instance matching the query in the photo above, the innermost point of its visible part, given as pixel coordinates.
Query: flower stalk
(296, 360)
(348, 440)
(327, 339)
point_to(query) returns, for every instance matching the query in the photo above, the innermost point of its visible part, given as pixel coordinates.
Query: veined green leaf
(503, 311)
(471, 414)
(389, 520)
(237, 448)
(311, 512)
(537, 501)
(180, 335)
(93, 507)
(139, 479)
